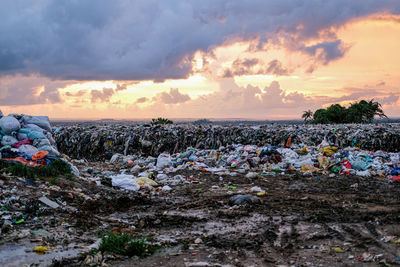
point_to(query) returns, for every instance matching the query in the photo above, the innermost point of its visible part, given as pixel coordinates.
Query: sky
(216, 59)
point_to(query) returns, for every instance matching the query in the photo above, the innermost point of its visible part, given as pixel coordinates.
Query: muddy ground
(301, 220)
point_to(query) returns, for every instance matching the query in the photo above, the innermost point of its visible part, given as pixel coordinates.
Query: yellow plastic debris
(329, 150)
(144, 180)
(306, 167)
(41, 249)
(338, 250)
(261, 194)
(323, 162)
(303, 151)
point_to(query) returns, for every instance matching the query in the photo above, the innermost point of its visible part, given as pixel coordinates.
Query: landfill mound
(94, 142)
(307, 200)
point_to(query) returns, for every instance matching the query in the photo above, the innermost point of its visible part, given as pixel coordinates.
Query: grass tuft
(56, 168)
(126, 244)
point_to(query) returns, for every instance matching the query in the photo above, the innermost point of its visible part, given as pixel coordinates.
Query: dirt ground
(324, 221)
(301, 220)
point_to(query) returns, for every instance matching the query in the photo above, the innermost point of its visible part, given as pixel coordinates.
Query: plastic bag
(34, 127)
(28, 149)
(144, 180)
(9, 124)
(359, 165)
(125, 181)
(323, 162)
(8, 140)
(164, 160)
(49, 149)
(329, 150)
(41, 121)
(22, 136)
(32, 133)
(41, 142)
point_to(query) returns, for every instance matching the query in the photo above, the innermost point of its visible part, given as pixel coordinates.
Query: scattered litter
(48, 202)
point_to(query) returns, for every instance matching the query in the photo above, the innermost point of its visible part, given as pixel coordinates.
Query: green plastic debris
(268, 174)
(335, 169)
(20, 221)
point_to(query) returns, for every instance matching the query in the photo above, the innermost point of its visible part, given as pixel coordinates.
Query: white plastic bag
(28, 149)
(9, 124)
(125, 181)
(8, 140)
(163, 160)
(41, 121)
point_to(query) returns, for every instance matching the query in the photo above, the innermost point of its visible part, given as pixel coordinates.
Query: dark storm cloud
(326, 51)
(149, 39)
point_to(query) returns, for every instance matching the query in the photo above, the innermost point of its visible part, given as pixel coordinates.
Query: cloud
(326, 51)
(385, 96)
(272, 101)
(141, 100)
(29, 90)
(102, 95)
(121, 87)
(254, 66)
(156, 40)
(173, 97)
(80, 93)
(388, 100)
(275, 67)
(242, 67)
(233, 101)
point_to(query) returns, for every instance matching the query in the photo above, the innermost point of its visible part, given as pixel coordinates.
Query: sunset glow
(270, 73)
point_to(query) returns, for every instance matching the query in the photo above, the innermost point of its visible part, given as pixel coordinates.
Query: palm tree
(307, 115)
(377, 109)
(364, 112)
(160, 121)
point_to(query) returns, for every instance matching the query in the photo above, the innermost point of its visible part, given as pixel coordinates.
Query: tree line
(358, 112)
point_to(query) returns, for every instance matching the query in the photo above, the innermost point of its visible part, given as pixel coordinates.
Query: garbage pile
(27, 140)
(94, 142)
(252, 162)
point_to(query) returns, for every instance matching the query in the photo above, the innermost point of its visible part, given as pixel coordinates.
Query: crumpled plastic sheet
(97, 142)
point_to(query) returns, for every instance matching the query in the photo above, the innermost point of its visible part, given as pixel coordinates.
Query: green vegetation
(126, 244)
(307, 116)
(161, 121)
(358, 112)
(56, 168)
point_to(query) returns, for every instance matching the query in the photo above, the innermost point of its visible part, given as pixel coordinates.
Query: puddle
(19, 254)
